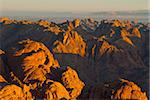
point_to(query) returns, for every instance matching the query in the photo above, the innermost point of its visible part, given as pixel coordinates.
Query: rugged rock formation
(56, 91)
(129, 90)
(70, 25)
(14, 92)
(11, 91)
(108, 50)
(121, 90)
(5, 20)
(2, 79)
(72, 82)
(72, 43)
(76, 22)
(30, 61)
(51, 27)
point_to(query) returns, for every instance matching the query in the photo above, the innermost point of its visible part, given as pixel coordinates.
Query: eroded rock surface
(129, 90)
(56, 91)
(72, 43)
(108, 50)
(31, 60)
(72, 82)
(13, 92)
(118, 90)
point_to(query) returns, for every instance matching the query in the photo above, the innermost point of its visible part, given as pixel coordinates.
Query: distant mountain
(135, 12)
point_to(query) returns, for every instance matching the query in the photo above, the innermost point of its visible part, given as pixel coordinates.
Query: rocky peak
(76, 22)
(72, 43)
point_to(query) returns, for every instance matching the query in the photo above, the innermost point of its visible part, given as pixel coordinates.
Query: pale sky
(72, 5)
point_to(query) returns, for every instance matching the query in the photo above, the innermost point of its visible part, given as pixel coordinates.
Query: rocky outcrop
(15, 92)
(30, 61)
(72, 82)
(107, 48)
(5, 20)
(70, 25)
(2, 79)
(50, 27)
(136, 32)
(56, 91)
(129, 90)
(11, 91)
(118, 90)
(76, 22)
(72, 43)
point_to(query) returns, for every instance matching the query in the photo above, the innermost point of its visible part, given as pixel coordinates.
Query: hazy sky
(72, 5)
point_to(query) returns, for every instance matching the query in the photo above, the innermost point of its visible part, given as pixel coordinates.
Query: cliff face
(99, 52)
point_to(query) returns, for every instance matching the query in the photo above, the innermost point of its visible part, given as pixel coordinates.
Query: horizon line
(74, 11)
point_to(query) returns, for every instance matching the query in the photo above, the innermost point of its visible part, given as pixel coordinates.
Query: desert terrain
(80, 59)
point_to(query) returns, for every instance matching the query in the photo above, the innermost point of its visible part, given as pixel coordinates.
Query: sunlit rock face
(10, 91)
(129, 90)
(31, 60)
(5, 20)
(72, 82)
(118, 90)
(56, 91)
(14, 92)
(72, 43)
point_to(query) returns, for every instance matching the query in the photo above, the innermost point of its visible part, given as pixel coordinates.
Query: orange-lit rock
(125, 37)
(56, 91)
(76, 22)
(1, 52)
(72, 82)
(124, 90)
(117, 23)
(31, 60)
(72, 43)
(43, 23)
(14, 92)
(107, 48)
(54, 29)
(136, 32)
(129, 90)
(2, 79)
(5, 20)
